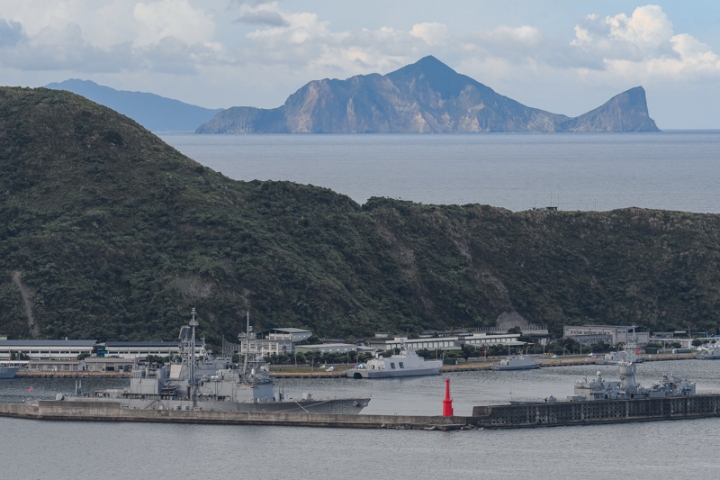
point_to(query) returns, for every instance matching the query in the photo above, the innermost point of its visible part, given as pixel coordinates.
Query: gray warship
(213, 384)
(627, 388)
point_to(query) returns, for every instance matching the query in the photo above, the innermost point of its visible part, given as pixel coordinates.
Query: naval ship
(213, 384)
(407, 363)
(627, 388)
(10, 369)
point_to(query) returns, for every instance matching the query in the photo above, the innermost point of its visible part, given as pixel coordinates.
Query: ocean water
(644, 451)
(671, 170)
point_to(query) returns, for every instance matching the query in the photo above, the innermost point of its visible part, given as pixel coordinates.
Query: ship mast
(248, 329)
(192, 383)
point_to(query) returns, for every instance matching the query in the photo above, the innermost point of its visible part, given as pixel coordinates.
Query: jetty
(522, 415)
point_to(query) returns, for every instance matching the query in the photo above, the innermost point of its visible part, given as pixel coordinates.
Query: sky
(564, 56)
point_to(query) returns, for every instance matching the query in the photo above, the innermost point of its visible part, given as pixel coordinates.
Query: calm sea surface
(669, 450)
(671, 170)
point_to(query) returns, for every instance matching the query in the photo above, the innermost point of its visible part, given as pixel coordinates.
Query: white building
(46, 349)
(295, 335)
(142, 349)
(617, 333)
(447, 343)
(268, 347)
(334, 348)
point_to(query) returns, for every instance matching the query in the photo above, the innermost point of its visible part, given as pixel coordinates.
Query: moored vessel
(407, 363)
(516, 362)
(711, 353)
(627, 388)
(213, 384)
(8, 369)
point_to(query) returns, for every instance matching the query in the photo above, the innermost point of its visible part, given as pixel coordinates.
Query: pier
(523, 415)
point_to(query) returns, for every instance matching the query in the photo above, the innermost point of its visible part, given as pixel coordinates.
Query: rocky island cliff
(425, 97)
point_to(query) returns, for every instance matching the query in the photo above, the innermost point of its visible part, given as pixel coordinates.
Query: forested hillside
(108, 233)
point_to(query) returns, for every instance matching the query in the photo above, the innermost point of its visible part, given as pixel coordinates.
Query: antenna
(193, 323)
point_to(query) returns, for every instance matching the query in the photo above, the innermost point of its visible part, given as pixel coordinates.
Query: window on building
(392, 365)
(401, 365)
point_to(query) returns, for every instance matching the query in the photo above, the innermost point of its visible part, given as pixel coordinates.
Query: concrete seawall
(492, 416)
(111, 412)
(596, 412)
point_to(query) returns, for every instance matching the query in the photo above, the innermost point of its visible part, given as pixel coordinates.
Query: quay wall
(491, 416)
(111, 411)
(596, 412)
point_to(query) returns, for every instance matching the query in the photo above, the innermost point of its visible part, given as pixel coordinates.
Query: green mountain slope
(106, 232)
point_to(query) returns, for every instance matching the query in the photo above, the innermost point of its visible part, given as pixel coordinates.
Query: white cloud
(306, 43)
(642, 47)
(109, 36)
(172, 19)
(431, 33)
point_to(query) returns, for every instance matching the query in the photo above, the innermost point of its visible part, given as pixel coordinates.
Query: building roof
(291, 330)
(174, 344)
(47, 343)
(327, 345)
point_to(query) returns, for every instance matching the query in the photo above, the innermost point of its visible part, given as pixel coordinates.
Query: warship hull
(416, 372)
(345, 406)
(8, 372)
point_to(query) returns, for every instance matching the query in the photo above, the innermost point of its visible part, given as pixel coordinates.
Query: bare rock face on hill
(425, 97)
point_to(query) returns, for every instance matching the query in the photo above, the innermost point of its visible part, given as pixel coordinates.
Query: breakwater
(596, 412)
(92, 410)
(521, 415)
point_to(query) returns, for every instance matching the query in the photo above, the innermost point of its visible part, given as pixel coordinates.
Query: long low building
(46, 349)
(334, 348)
(446, 343)
(72, 349)
(142, 349)
(618, 333)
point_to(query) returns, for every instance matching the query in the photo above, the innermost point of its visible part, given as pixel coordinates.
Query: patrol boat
(214, 384)
(712, 353)
(516, 362)
(9, 369)
(407, 363)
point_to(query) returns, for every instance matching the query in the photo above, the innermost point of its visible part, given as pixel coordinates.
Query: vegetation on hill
(108, 233)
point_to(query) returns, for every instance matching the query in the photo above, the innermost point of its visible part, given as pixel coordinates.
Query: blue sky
(560, 55)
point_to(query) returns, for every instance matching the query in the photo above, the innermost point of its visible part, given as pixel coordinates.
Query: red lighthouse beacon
(447, 403)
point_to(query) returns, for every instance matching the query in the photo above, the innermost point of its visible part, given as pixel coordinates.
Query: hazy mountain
(427, 96)
(153, 112)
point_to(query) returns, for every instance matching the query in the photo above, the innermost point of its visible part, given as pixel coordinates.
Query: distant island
(156, 113)
(425, 97)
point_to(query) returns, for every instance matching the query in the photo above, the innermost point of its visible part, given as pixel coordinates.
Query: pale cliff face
(427, 96)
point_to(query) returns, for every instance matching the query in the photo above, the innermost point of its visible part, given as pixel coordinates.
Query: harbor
(287, 371)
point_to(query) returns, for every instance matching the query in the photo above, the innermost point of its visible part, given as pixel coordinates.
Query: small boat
(8, 369)
(516, 362)
(405, 364)
(711, 353)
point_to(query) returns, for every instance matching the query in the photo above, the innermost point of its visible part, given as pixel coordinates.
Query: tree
(696, 342)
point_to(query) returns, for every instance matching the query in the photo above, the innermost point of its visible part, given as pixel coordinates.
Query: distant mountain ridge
(154, 112)
(424, 97)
